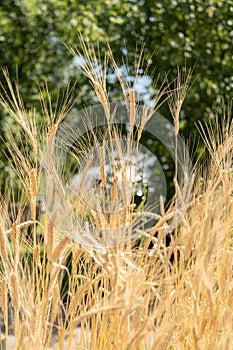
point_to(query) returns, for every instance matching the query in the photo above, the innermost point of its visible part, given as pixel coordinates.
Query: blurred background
(193, 33)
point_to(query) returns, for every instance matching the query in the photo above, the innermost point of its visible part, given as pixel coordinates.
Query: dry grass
(120, 298)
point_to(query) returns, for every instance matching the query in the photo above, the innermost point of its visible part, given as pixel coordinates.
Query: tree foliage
(176, 33)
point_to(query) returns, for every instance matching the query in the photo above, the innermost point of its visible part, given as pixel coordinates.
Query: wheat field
(56, 293)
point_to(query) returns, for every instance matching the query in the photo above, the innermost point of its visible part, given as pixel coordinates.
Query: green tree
(179, 32)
